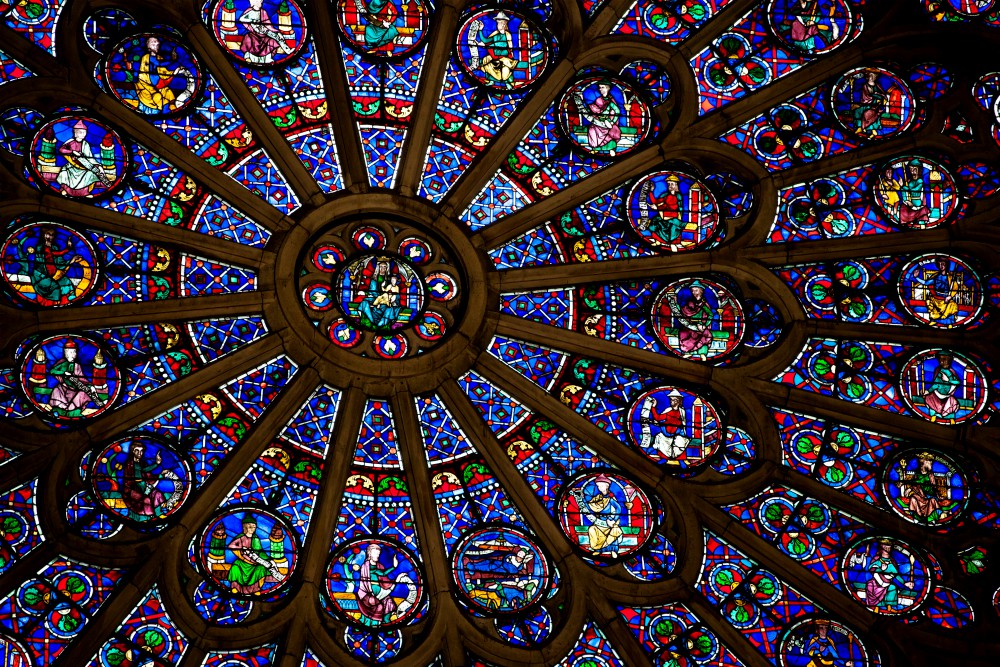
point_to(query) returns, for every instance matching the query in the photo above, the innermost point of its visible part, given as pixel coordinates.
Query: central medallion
(379, 292)
(384, 289)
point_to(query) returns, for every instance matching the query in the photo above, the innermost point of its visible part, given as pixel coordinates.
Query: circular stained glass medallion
(671, 210)
(374, 582)
(248, 552)
(925, 487)
(502, 49)
(380, 292)
(874, 103)
(500, 570)
(260, 33)
(154, 74)
(941, 290)
(140, 478)
(70, 377)
(812, 637)
(384, 28)
(674, 426)
(606, 515)
(697, 318)
(916, 192)
(886, 575)
(943, 386)
(79, 157)
(604, 116)
(48, 264)
(813, 27)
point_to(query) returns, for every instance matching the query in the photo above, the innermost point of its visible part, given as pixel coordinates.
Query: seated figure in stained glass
(248, 565)
(49, 265)
(68, 377)
(153, 74)
(601, 115)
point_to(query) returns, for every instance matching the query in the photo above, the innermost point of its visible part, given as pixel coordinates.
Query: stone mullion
(507, 474)
(787, 569)
(293, 646)
(633, 268)
(24, 51)
(831, 250)
(29, 565)
(616, 353)
(619, 635)
(486, 163)
(179, 156)
(205, 379)
(350, 152)
(545, 405)
(147, 312)
(422, 496)
(238, 93)
(606, 19)
(31, 464)
(205, 502)
(728, 635)
(336, 470)
(876, 152)
(262, 434)
(111, 614)
(979, 340)
(194, 656)
(572, 195)
(756, 279)
(326, 512)
(135, 227)
(716, 26)
(572, 568)
(831, 408)
(444, 609)
(441, 41)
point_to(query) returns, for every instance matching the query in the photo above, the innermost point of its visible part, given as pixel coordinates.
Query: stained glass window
(539, 332)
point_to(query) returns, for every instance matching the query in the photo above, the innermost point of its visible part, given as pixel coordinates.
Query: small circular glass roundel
(940, 290)
(811, 637)
(916, 193)
(813, 28)
(248, 552)
(374, 582)
(671, 210)
(380, 292)
(606, 515)
(886, 575)
(943, 386)
(140, 479)
(874, 103)
(500, 570)
(697, 318)
(384, 28)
